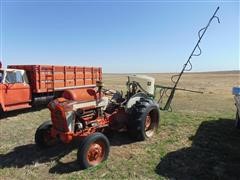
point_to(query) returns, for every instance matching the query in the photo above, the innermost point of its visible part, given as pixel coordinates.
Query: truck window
(14, 77)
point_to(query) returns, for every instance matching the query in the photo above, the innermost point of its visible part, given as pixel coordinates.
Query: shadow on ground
(214, 154)
(21, 111)
(30, 154)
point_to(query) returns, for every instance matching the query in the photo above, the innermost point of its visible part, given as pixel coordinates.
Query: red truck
(22, 86)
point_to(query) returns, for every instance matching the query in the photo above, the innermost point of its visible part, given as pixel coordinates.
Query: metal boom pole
(201, 33)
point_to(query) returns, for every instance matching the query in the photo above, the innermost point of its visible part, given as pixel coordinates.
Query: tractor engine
(77, 117)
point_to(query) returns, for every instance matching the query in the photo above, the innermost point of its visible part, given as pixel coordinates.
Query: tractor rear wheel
(93, 150)
(144, 119)
(43, 138)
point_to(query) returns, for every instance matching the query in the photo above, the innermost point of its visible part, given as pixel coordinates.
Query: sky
(128, 36)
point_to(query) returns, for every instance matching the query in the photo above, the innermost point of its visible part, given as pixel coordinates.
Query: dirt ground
(197, 140)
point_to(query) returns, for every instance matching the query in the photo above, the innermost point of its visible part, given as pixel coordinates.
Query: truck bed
(48, 78)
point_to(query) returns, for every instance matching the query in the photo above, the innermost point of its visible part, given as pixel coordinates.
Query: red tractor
(88, 113)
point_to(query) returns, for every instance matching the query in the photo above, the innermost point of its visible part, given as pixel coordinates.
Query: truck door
(16, 90)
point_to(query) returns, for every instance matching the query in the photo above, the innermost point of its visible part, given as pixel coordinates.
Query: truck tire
(237, 123)
(144, 119)
(93, 150)
(43, 137)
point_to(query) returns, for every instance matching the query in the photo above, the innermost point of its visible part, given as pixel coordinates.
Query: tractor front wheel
(43, 138)
(144, 119)
(93, 150)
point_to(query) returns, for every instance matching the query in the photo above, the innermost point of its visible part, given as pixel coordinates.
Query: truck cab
(15, 92)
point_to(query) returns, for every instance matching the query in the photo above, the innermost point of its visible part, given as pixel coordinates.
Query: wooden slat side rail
(59, 77)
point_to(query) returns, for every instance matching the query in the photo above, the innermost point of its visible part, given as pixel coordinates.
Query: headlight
(70, 117)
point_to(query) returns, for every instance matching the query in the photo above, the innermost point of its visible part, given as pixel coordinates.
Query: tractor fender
(136, 98)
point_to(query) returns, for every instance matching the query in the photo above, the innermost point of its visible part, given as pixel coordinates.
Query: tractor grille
(59, 121)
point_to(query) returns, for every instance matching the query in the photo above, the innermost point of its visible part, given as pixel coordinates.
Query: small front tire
(93, 150)
(43, 138)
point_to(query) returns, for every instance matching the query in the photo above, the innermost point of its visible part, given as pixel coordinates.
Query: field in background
(195, 141)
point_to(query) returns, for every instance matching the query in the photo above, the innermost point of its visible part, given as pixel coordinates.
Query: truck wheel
(43, 137)
(93, 150)
(237, 123)
(144, 119)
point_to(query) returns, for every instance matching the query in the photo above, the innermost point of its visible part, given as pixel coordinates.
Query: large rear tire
(144, 119)
(43, 138)
(93, 150)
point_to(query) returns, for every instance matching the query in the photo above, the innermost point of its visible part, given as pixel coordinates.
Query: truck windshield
(14, 77)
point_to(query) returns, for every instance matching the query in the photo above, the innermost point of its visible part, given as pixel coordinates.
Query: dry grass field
(197, 140)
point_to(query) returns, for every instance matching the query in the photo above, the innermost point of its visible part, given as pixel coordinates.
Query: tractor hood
(146, 82)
